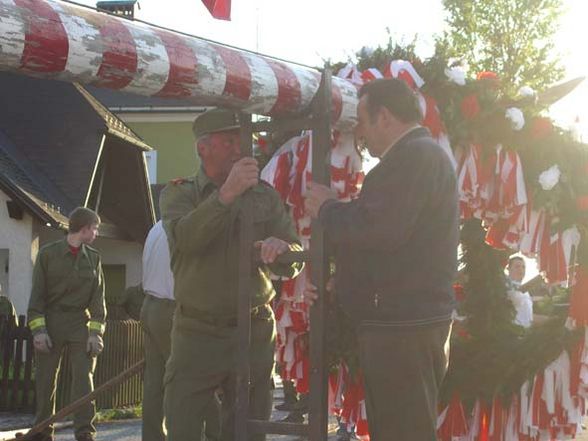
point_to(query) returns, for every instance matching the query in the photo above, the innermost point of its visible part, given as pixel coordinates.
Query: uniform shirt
(158, 279)
(204, 243)
(64, 282)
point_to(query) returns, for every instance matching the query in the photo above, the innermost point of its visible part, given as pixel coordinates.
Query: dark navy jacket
(396, 244)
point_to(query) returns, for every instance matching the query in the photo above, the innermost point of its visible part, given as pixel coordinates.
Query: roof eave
(36, 210)
(136, 142)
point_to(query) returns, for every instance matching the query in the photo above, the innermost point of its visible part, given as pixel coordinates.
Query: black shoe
(286, 406)
(302, 404)
(343, 436)
(293, 417)
(85, 437)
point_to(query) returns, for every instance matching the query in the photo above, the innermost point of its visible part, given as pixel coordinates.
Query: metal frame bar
(321, 148)
(320, 122)
(244, 297)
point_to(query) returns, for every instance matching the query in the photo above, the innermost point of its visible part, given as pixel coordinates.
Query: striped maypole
(57, 40)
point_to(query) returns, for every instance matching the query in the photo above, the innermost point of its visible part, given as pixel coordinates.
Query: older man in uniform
(201, 217)
(67, 309)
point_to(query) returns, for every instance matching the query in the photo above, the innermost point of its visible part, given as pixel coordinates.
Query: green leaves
(512, 37)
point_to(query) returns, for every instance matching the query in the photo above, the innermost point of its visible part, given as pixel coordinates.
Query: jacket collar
(417, 132)
(203, 182)
(64, 248)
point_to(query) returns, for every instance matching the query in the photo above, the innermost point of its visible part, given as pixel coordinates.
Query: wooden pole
(243, 368)
(321, 146)
(70, 408)
(58, 40)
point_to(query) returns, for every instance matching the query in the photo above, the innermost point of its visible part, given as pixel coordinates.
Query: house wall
(18, 238)
(174, 142)
(112, 252)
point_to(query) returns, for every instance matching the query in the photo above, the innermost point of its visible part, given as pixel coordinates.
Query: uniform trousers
(403, 367)
(204, 359)
(156, 319)
(66, 330)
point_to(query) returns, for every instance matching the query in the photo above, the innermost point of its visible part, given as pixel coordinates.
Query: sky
(311, 31)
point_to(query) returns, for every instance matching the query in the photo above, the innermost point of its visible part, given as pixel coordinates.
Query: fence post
(28, 385)
(19, 333)
(6, 344)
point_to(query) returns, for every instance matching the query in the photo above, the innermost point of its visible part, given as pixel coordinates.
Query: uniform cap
(216, 120)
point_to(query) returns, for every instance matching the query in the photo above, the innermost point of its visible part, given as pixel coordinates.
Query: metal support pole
(317, 429)
(244, 298)
(321, 147)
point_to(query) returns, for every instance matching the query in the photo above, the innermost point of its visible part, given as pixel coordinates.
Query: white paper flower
(527, 91)
(550, 177)
(457, 74)
(516, 118)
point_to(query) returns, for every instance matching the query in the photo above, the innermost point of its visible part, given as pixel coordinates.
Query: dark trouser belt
(259, 312)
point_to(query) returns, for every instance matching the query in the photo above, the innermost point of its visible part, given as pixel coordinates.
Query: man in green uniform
(201, 219)
(67, 309)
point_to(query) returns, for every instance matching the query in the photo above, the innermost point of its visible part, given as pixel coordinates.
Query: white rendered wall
(17, 236)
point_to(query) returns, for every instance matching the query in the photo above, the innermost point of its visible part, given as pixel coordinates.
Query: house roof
(121, 101)
(58, 145)
(114, 124)
(17, 184)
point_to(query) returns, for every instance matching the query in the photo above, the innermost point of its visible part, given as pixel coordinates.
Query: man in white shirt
(521, 301)
(156, 318)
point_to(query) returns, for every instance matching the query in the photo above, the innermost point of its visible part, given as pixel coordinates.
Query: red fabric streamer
(579, 298)
(455, 423)
(470, 107)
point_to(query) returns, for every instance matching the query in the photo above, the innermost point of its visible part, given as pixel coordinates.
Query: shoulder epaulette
(92, 249)
(51, 244)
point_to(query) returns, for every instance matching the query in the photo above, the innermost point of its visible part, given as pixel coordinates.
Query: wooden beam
(53, 39)
(244, 297)
(321, 147)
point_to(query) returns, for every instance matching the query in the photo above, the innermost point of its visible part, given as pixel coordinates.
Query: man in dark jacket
(396, 249)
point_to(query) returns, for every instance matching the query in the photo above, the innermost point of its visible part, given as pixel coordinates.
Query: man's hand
(95, 345)
(316, 195)
(243, 175)
(271, 248)
(42, 342)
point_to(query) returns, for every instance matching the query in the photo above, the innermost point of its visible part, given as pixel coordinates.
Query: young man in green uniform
(201, 217)
(67, 309)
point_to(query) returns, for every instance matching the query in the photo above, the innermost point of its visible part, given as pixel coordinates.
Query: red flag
(220, 9)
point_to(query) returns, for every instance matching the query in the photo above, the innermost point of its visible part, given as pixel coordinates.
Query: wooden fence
(123, 347)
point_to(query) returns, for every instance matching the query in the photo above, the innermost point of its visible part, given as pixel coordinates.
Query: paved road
(130, 430)
(117, 430)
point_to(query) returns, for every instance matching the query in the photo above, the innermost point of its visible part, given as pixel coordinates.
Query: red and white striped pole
(57, 40)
